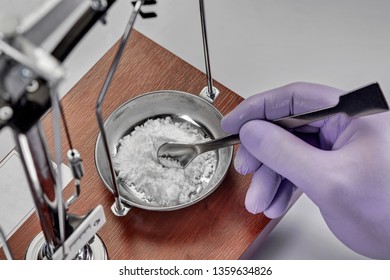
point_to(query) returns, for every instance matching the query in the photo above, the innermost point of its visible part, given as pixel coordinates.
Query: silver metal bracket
(120, 211)
(205, 94)
(34, 58)
(76, 165)
(81, 236)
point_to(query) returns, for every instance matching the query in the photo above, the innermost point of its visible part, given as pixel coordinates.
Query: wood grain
(218, 227)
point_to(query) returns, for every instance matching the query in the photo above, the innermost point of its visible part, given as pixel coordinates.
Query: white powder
(170, 162)
(137, 165)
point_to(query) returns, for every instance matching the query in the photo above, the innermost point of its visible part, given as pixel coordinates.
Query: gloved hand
(341, 164)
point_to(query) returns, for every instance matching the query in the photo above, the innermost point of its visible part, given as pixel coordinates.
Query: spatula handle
(218, 143)
(356, 103)
(305, 118)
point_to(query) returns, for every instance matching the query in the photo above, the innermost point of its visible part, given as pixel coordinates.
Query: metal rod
(42, 183)
(119, 207)
(206, 49)
(56, 118)
(6, 249)
(44, 20)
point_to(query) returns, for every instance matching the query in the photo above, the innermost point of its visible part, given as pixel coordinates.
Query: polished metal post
(118, 208)
(209, 92)
(41, 179)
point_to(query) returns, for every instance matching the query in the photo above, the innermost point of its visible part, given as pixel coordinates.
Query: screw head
(26, 73)
(33, 86)
(6, 113)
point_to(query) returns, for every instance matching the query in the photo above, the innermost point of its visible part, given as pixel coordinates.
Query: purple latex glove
(342, 164)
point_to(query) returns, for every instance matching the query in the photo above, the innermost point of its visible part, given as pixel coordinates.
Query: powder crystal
(137, 165)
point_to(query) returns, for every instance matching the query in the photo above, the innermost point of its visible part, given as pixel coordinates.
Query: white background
(256, 45)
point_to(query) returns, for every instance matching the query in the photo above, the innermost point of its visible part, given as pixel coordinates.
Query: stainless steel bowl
(178, 105)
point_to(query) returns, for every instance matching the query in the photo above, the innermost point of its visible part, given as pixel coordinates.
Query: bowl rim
(130, 203)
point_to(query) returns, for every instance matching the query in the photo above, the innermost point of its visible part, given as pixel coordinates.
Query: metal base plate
(97, 249)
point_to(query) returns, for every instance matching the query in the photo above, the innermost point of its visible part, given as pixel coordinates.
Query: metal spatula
(364, 101)
(357, 103)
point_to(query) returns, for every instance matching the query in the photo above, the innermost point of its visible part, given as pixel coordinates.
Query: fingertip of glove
(254, 206)
(244, 164)
(227, 124)
(254, 209)
(251, 132)
(240, 168)
(251, 210)
(281, 202)
(274, 213)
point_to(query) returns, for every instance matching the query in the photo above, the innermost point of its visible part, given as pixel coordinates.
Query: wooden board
(218, 227)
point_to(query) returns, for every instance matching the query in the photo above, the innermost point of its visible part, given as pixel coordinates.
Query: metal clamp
(76, 165)
(34, 58)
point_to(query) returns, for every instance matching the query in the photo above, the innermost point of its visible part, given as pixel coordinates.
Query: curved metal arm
(118, 208)
(28, 77)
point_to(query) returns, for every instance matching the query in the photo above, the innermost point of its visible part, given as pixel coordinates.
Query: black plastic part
(29, 109)
(77, 32)
(147, 14)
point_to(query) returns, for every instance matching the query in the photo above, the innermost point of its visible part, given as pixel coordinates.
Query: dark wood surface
(218, 227)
